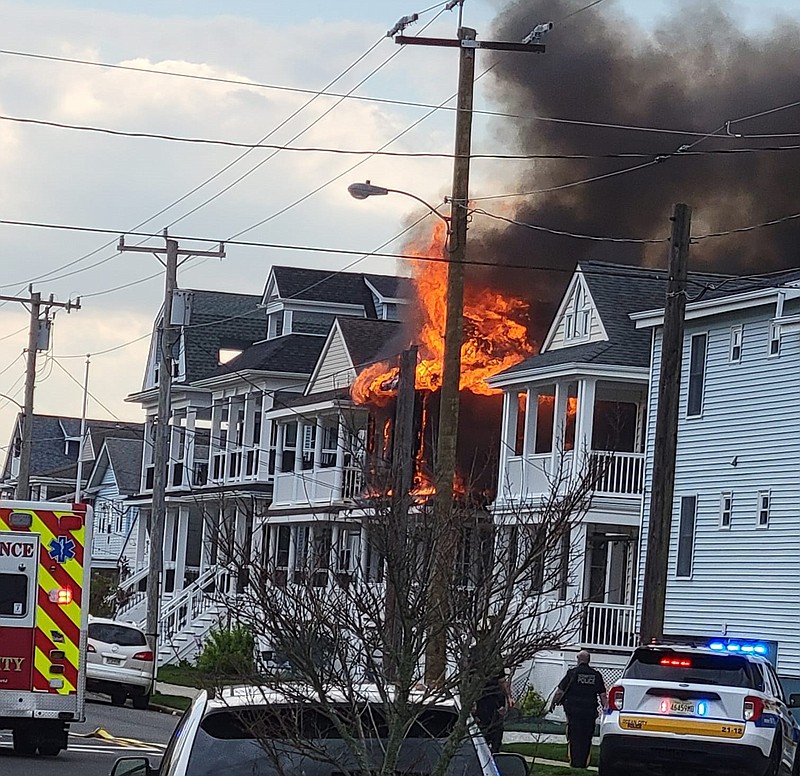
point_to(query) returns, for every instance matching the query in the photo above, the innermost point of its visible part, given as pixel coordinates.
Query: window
(309, 445)
(13, 595)
(577, 318)
(736, 344)
(289, 431)
(276, 324)
(764, 498)
(282, 548)
(697, 374)
(110, 633)
(519, 437)
(686, 536)
(545, 417)
(301, 534)
(725, 510)
(330, 442)
(774, 339)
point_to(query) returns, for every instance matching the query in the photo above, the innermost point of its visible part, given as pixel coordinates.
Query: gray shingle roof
(621, 289)
(367, 339)
(49, 456)
(220, 320)
(320, 285)
(125, 457)
(295, 353)
(390, 287)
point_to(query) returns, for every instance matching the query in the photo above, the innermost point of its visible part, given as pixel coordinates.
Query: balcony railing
(618, 473)
(609, 626)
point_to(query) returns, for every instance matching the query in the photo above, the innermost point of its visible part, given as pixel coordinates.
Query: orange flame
(494, 337)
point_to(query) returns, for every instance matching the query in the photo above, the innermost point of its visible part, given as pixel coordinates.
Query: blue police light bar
(736, 646)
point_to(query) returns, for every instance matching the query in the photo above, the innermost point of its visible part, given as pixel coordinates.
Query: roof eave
(650, 318)
(572, 368)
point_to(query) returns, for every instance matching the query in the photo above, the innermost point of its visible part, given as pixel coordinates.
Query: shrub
(532, 703)
(228, 652)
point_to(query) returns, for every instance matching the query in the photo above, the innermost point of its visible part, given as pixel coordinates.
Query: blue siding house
(734, 563)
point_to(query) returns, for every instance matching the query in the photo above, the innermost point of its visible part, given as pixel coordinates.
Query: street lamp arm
(13, 401)
(430, 207)
(368, 189)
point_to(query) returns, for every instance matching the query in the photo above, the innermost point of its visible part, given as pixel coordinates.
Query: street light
(368, 189)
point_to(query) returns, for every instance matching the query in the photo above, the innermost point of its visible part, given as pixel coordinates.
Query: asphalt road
(145, 733)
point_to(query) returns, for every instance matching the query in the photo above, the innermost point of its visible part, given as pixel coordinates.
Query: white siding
(596, 332)
(336, 369)
(745, 581)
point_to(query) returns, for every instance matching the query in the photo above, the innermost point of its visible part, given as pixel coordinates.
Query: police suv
(717, 709)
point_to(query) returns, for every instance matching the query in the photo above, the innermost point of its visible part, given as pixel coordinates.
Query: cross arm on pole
(527, 48)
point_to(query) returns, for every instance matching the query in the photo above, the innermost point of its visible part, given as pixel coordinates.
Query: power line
(13, 334)
(363, 98)
(658, 156)
(580, 10)
(83, 388)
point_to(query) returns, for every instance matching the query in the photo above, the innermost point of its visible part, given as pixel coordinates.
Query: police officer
(578, 691)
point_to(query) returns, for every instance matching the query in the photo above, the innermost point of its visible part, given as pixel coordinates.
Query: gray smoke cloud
(694, 72)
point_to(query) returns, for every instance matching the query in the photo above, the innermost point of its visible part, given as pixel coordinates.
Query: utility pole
(654, 591)
(161, 443)
(447, 437)
(399, 575)
(38, 339)
(79, 475)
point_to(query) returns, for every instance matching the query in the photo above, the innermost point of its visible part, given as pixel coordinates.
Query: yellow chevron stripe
(72, 567)
(72, 610)
(43, 663)
(71, 651)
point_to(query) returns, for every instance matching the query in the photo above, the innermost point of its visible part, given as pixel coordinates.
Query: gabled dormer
(578, 320)
(351, 345)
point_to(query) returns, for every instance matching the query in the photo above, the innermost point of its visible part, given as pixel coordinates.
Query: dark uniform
(489, 710)
(581, 687)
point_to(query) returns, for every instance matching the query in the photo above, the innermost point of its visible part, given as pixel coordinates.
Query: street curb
(164, 709)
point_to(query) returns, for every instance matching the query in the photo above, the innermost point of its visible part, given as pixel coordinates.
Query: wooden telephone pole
(447, 438)
(654, 591)
(38, 339)
(161, 443)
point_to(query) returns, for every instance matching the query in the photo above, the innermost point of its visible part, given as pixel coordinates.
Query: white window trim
(759, 509)
(694, 536)
(725, 495)
(737, 332)
(705, 375)
(774, 336)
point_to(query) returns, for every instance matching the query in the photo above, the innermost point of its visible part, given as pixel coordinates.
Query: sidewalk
(177, 689)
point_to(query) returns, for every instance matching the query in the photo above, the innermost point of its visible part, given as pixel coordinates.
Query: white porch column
(363, 551)
(298, 451)
(506, 443)
(180, 549)
(333, 563)
(141, 539)
(215, 446)
(318, 444)
(340, 444)
(641, 425)
(188, 469)
(584, 423)
(559, 424)
(292, 552)
(531, 419)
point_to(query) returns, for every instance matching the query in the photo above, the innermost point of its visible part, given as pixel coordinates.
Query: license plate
(114, 661)
(682, 707)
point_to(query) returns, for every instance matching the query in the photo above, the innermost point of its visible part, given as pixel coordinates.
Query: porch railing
(618, 473)
(609, 626)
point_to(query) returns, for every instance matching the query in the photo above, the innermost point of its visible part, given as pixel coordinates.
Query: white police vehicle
(716, 709)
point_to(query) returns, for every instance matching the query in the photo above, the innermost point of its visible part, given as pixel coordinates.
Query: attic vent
(228, 354)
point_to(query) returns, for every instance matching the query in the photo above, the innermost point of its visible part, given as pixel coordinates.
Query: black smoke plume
(693, 72)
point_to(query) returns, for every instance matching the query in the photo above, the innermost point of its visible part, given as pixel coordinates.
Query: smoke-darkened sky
(693, 72)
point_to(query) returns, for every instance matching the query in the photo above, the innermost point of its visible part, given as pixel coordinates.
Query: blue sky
(70, 178)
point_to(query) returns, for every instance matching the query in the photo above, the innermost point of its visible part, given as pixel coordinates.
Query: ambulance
(44, 610)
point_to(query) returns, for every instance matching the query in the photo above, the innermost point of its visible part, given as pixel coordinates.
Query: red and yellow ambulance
(44, 609)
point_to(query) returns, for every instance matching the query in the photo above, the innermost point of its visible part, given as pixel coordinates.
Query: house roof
(219, 320)
(369, 339)
(49, 456)
(294, 353)
(125, 458)
(390, 287)
(318, 285)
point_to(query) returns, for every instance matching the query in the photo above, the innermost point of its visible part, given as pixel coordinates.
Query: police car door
(19, 566)
(786, 724)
